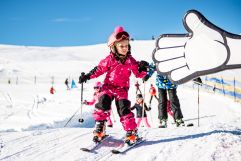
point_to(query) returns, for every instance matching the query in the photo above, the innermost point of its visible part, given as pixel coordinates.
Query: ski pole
(143, 108)
(71, 118)
(198, 104)
(80, 120)
(82, 86)
(143, 103)
(198, 81)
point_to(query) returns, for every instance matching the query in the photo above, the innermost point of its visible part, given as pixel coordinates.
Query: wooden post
(35, 79)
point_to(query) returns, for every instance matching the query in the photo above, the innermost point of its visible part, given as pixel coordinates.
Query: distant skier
(152, 92)
(139, 111)
(98, 89)
(137, 87)
(52, 90)
(118, 66)
(67, 83)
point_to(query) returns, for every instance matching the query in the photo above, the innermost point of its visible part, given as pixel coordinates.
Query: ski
(187, 125)
(162, 126)
(127, 147)
(93, 146)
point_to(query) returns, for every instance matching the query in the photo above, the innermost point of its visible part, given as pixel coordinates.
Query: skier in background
(67, 83)
(137, 87)
(139, 111)
(165, 86)
(52, 90)
(152, 92)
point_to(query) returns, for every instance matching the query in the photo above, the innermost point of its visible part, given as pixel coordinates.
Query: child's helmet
(98, 84)
(118, 35)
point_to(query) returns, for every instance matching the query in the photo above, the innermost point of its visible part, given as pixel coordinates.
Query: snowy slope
(32, 120)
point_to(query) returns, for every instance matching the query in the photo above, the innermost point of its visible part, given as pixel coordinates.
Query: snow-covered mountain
(32, 120)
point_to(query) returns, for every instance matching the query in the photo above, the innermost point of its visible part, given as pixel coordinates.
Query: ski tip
(115, 151)
(190, 124)
(85, 149)
(162, 127)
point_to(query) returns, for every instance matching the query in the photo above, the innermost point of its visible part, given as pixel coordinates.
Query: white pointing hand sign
(183, 57)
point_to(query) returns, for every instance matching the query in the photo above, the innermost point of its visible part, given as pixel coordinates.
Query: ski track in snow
(216, 141)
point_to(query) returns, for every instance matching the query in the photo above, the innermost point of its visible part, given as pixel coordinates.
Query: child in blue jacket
(165, 86)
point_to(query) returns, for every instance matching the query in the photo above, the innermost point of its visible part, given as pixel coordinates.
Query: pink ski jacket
(118, 74)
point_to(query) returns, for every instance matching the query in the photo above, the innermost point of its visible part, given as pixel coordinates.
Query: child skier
(118, 66)
(98, 88)
(139, 110)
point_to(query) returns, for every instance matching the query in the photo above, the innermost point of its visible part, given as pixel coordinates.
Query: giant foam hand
(204, 50)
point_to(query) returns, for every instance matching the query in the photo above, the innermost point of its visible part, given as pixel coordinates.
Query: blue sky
(86, 22)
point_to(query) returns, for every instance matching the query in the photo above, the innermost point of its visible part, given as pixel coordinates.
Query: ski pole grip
(82, 74)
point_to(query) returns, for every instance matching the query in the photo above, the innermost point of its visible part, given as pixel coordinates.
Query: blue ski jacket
(161, 80)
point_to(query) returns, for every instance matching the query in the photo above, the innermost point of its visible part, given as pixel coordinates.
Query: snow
(32, 120)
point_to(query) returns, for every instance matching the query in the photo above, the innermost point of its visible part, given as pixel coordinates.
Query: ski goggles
(96, 87)
(122, 35)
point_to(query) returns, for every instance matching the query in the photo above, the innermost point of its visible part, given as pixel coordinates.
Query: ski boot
(99, 132)
(163, 123)
(179, 122)
(131, 137)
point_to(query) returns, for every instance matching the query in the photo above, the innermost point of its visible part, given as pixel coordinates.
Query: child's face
(122, 47)
(139, 100)
(97, 89)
